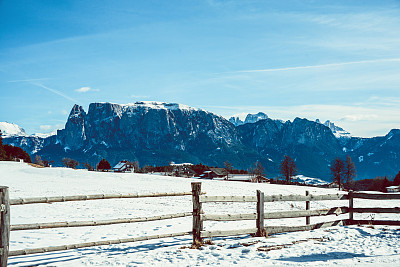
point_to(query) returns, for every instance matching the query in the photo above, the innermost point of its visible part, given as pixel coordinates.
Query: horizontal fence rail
(273, 198)
(272, 229)
(222, 233)
(377, 210)
(92, 244)
(34, 226)
(205, 199)
(38, 200)
(286, 229)
(276, 215)
(389, 196)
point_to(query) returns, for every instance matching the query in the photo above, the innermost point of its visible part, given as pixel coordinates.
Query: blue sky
(336, 60)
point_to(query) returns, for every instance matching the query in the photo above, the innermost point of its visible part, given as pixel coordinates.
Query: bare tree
(88, 166)
(38, 160)
(258, 172)
(337, 171)
(228, 168)
(288, 168)
(136, 166)
(349, 171)
(70, 163)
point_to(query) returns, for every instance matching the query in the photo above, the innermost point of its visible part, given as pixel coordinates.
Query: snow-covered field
(347, 246)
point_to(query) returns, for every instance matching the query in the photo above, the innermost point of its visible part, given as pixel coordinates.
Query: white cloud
(45, 127)
(86, 89)
(359, 117)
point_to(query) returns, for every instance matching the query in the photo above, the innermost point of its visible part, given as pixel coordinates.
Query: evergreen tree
(337, 169)
(288, 168)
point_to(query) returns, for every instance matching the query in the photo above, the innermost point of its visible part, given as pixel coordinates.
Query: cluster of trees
(377, 184)
(8, 152)
(70, 163)
(42, 162)
(343, 172)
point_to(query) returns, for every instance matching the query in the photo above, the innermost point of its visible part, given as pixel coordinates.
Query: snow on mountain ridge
(250, 118)
(14, 130)
(336, 130)
(11, 129)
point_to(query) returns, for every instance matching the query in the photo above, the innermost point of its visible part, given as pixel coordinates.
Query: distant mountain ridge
(336, 130)
(11, 129)
(157, 133)
(250, 118)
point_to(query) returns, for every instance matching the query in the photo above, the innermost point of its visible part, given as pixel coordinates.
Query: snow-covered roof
(393, 187)
(119, 165)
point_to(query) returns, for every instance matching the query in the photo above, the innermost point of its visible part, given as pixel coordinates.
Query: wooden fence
(260, 215)
(198, 215)
(5, 204)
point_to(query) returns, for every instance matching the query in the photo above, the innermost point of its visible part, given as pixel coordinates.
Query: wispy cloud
(30, 80)
(322, 65)
(86, 89)
(54, 91)
(36, 82)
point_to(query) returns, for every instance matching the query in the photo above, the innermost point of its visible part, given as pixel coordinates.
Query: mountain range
(156, 133)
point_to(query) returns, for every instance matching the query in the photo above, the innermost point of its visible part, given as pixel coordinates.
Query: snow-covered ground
(347, 246)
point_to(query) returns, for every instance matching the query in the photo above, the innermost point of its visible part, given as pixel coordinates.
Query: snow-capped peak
(44, 135)
(11, 129)
(336, 130)
(14, 130)
(160, 105)
(250, 118)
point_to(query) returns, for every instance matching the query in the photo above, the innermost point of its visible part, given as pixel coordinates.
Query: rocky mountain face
(157, 133)
(336, 130)
(312, 145)
(16, 135)
(151, 132)
(250, 118)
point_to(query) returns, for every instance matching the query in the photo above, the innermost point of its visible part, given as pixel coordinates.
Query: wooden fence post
(4, 225)
(307, 208)
(260, 214)
(197, 210)
(351, 206)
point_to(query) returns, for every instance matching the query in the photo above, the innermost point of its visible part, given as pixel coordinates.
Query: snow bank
(338, 245)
